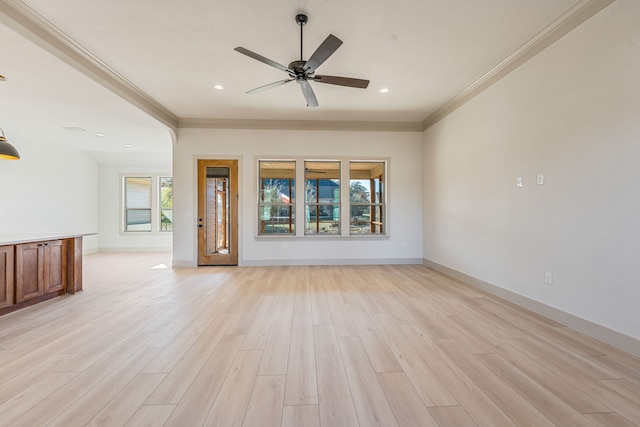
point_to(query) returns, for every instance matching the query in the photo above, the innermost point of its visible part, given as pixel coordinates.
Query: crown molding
(571, 19)
(299, 125)
(30, 24)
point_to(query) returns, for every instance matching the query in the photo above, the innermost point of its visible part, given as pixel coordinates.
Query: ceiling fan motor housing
(298, 68)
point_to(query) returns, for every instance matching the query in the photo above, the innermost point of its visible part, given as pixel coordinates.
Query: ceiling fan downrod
(301, 19)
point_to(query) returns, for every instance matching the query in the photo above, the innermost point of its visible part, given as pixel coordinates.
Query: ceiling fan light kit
(302, 71)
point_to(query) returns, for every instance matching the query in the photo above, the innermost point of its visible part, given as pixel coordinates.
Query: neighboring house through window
(325, 211)
(322, 197)
(277, 196)
(147, 203)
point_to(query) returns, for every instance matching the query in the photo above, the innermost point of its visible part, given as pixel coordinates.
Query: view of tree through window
(366, 197)
(166, 204)
(325, 211)
(277, 197)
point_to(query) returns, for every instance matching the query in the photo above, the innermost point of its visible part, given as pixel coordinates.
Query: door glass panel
(217, 211)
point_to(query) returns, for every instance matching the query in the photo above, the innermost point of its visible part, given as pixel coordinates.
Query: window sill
(288, 237)
(145, 233)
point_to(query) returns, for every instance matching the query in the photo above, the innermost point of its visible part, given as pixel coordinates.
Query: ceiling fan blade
(342, 81)
(269, 86)
(324, 51)
(308, 93)
(262, 59)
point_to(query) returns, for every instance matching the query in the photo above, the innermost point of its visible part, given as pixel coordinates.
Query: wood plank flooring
(147, 345)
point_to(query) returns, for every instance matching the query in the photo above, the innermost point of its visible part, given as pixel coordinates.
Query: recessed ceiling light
(128, 145)
(384, 90)
(74, 128)
(100, 134)
(218, 87)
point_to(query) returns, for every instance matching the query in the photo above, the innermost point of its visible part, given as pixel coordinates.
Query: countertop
(17, 238)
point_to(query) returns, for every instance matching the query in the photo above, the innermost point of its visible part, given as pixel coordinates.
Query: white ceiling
(425, 51)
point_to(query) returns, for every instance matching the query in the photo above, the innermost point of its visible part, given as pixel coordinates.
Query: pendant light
(7, 151)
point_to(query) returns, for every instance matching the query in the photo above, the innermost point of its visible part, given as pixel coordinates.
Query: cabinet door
(54, 266)
(6, 276)
(29, 271)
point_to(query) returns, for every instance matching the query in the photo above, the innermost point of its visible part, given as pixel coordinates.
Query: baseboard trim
(182, 264)
(293, 262)
(90, 251)
(340, 261)
(121, 250)
(594, 330)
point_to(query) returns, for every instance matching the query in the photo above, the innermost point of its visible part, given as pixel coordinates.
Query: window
(147, 203)
(137, 205)
(322, 197)
(330, 207)
(166, 203)
(366, 197)
(277, 197)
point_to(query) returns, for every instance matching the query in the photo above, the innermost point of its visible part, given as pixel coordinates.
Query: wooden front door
(217, 212)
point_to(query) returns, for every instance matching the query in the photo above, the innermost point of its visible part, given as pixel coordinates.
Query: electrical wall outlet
(540, 179)
(519, 182)
(548, 278)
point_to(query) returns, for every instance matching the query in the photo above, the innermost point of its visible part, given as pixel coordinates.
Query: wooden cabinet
(40, 269)
(54, 266)
(6, 276)
(28, 271)
(32, 271)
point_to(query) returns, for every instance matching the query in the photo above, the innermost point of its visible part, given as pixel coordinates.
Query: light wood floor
(300, 346)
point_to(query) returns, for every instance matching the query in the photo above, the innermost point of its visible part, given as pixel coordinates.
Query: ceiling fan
(304, 71)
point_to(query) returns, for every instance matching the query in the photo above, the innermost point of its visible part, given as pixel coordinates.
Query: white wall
(51, 189)
(111, 236)
(571, 113)
(405, 203)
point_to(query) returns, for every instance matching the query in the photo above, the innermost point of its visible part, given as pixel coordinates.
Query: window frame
(291, 205)
(318, 203)
(162, 209)
(374, 205)
(156, 207)
(127, 181)
(345, 203)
